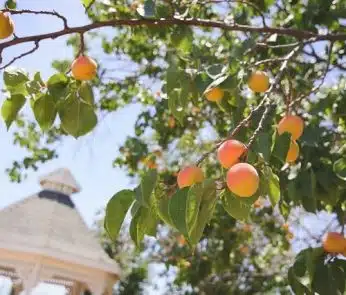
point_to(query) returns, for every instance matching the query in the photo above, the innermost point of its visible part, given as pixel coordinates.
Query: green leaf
(62, 66)
(44, 108)
(177, 210)
(144, 222)
(182, 38)
(177, 89)
(134, 229)
(11, 107)
(116, 210)
(341, 263)
(292, 190)
(239, 49)
(86, 3)
(284, 209)
(57, 85)
(339, 168)
(147, 10)
(21, 89)
(32, 87)
(280, 148)
(263, 145)
(216, 70)
(206, 209)
(299, 266)
(37, 78)
(163, 211)
(15, 76)
(273, 185)
(272, 38)
(176, 105)
(312, 256)
(306, 189)
(134, 208)
(35, 86)
(77, 117)
(324, 282)
(161, 203)
(86, 93)
(234, 206)
(229, 84)
(196, 193)
(338, 276)
(202, 80)
(296, 285)
(340, 213)
(172, 75)
(217, 82)
(11, 4)
(145, 188)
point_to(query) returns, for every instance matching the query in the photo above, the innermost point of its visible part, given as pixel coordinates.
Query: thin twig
(289, 96)
(279, 46)
(248, 3)
(269, 60)
(28, 11)
(313, 54)
(255, 7)
(265, 114)
(21, 55)
(326, 229)
(323, 78)
(89, 6)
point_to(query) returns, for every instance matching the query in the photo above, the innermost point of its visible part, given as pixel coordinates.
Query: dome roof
(48, 224)
(60, 180)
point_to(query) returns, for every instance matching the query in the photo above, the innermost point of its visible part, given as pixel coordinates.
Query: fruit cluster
(242, 178)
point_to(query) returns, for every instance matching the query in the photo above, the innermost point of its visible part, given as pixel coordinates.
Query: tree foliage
(175, 52)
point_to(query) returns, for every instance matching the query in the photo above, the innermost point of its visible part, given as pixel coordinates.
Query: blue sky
(89, 158)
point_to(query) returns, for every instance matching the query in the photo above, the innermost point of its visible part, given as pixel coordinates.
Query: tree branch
(299, 34)
(269, 60)
(28, 11)
(323, 78)
(320, 59)
(256, 8)
(266, 112)
(21, 55)
(252, 5)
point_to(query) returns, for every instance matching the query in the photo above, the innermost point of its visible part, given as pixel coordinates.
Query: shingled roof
(48, 223)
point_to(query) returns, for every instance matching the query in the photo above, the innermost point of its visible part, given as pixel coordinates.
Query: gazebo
(43, 238)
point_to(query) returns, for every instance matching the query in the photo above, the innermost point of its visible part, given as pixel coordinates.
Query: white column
(17, 288)
(109, 290)
(76, 288)
(96, 289)
(30, 277)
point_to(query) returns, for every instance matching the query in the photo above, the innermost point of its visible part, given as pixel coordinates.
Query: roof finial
(60, 180)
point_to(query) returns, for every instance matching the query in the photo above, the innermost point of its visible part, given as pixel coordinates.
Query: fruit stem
(289, 97)
(82, 44)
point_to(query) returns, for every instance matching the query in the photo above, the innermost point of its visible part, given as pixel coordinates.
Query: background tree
(134, 267)
(176, 53)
